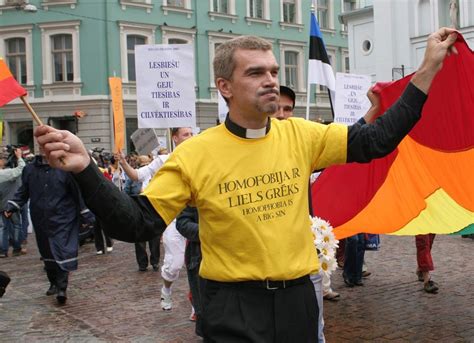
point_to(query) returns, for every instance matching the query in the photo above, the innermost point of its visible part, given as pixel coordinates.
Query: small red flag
(9, 88)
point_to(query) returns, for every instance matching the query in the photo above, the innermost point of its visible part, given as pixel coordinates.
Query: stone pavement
(110, 301)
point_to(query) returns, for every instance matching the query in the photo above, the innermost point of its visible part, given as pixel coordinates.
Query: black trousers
(235, 313)
(99, 235)
(142, 256)
(57, 276)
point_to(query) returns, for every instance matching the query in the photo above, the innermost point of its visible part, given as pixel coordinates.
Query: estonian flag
(319, 68)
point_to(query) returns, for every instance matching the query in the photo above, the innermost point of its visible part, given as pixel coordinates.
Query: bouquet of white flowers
(326, 244)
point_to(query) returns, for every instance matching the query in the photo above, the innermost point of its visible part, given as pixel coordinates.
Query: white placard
(165, 86)
(145, 141)
(351, 97)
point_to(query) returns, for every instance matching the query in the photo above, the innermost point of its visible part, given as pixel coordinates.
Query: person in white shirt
(174, 244)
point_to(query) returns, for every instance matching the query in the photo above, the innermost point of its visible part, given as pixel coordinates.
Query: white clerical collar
(247, 133)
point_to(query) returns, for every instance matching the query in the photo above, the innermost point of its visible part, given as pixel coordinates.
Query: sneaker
(155, 267)
(431, 287)
(3, 255)
(366, 273)
(23, 251)
(166, 302)
(99, 252)
(110, 249)
(331, 295)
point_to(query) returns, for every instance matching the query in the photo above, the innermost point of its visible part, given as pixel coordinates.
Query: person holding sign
(173, 242)
(248, 179)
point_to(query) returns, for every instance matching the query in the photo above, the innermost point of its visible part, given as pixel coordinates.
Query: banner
(145, 141)
(115, 84)
(165, 85)
(351, 97)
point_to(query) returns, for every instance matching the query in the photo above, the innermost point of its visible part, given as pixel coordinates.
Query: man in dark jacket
(55, 205)
(187, 225)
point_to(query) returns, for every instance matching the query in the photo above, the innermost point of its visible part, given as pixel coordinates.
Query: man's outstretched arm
(130, 219)
(366, 142)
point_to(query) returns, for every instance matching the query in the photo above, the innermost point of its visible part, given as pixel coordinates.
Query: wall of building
(99, 29)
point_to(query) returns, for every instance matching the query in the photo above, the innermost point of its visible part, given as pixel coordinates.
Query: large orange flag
(427, 184)
(9, 88)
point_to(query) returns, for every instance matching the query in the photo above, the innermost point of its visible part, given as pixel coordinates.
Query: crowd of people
(213, 211)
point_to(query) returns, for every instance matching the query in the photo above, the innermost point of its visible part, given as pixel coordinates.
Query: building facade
(387, 39)
(63, 51)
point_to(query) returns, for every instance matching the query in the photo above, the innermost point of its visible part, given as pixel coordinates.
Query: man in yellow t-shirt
(248, 178)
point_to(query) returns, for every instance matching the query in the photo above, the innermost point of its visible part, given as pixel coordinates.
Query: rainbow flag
(9, 88)
(426, 185)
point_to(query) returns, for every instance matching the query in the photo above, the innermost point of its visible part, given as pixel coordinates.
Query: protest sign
(351, 97)
(115, 84)
(145, 141)
(165, 85)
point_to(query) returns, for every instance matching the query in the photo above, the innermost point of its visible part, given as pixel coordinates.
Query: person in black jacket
(187, 224)
(55, 205)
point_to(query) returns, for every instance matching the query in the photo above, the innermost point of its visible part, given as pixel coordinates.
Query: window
(61, 58)
(144, 4)
(61, 51)
(289, 11)
(256, 9)
(345, 67)
(177, 6)
(132, 34)
(323, 14)
(291, 69)
(220, 6)
(17, 49)
(349, 5)
(133, 40)
(16, 58)
(176, 3)
(177, 41)
(292, 65)
(424, 17)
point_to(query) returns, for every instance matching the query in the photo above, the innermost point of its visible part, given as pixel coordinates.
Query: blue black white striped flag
(320, 71)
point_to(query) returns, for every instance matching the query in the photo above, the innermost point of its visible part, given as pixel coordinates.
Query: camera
(12, 161)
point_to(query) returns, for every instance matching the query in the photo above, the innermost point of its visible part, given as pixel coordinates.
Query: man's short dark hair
(289, 93)
(174, 131)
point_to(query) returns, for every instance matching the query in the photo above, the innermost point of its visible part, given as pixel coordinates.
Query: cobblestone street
(110, 301)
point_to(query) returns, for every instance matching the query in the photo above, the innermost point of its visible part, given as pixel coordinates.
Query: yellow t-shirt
(252, 196)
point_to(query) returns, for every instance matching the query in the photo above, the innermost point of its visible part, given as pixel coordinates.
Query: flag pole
(308, 94)
(331, 105)
(308, 88)
(31, 110)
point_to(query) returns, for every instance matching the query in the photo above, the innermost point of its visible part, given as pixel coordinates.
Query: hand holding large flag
(10, 89)
(426, 184)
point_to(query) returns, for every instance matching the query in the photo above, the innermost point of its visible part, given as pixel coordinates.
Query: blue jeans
(10, 230)
(354, 257)
(24, 223)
